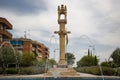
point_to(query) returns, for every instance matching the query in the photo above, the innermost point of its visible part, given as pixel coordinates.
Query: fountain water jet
(101, 71)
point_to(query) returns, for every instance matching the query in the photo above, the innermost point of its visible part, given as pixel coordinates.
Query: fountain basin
(62, 78)
(83, 76)
(62, 72)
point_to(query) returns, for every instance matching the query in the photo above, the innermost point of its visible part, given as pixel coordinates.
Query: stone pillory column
(62, 69)
(62, 20)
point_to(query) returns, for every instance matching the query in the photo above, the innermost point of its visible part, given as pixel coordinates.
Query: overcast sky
(91, 22)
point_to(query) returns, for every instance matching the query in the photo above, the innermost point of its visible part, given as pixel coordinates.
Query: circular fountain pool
(63, 78)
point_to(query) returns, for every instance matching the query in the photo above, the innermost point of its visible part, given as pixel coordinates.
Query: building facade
(5, 26)
(24, 45)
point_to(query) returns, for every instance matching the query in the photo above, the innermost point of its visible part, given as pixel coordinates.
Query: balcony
(6, 22)
(18, 47)
(6, 33)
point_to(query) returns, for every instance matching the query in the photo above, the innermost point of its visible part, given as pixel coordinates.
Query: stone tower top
(62, 14)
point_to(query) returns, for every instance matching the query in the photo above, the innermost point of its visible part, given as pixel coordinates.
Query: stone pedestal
(62, 72)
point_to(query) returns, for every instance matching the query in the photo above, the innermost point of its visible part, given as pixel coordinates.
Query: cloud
(96, 19)
(23, 6)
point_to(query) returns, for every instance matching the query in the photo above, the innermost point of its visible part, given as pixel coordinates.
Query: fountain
(101, 71)
(61, 71)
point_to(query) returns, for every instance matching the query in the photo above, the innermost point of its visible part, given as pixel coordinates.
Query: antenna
(25, 36)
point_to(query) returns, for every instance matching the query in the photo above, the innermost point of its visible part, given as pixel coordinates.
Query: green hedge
(11, 71)
(92, 70)
(96, 70)
(117, 72)
(23, 70)
(32, 70)
(1, 70)
(108, 71)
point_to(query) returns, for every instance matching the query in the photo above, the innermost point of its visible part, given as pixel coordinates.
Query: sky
(94, 24)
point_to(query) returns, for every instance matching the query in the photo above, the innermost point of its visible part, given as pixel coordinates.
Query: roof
(33, 42)
(22, 39)
(5, 22)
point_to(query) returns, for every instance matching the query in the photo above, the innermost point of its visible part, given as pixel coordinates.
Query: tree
(41, 63)
(52, 62)
(28, 59)
(48, 63)
(35, 51)
(18, 56)
(8, 55)
(106, 64)
(89, 52)
(87, 61)
(116, 56)
(70, 58)
(96, 60)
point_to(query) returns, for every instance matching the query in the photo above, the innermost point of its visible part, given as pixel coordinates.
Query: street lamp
(91, 43)
(55, 52)
(55, 41)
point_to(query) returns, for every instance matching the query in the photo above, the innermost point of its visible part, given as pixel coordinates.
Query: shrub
(32, 70)
(106, 64)
(87, 61)
(118, 72)
(96, 70)
(108, 71)
(28, 59)
(1, 70)
(26, 71)
(11, 71)
(92, 70)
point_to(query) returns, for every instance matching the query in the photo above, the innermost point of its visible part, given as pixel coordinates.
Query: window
(4, 27)
(1, 38)
(1, 27)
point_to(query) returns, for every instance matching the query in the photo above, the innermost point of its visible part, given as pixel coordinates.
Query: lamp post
(55, 52)
(54, 48)
(91, 43)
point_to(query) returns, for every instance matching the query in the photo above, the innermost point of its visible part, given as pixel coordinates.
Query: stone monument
(62, 20)
(62, 69)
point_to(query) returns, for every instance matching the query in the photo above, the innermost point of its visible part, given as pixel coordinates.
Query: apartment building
(5, 26)
(27, 45)
(23, 45)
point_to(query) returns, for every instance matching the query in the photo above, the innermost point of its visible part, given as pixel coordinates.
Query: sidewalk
(87, 75)
(42, 75)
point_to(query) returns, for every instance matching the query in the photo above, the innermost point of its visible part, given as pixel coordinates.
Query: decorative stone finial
(62, 10)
